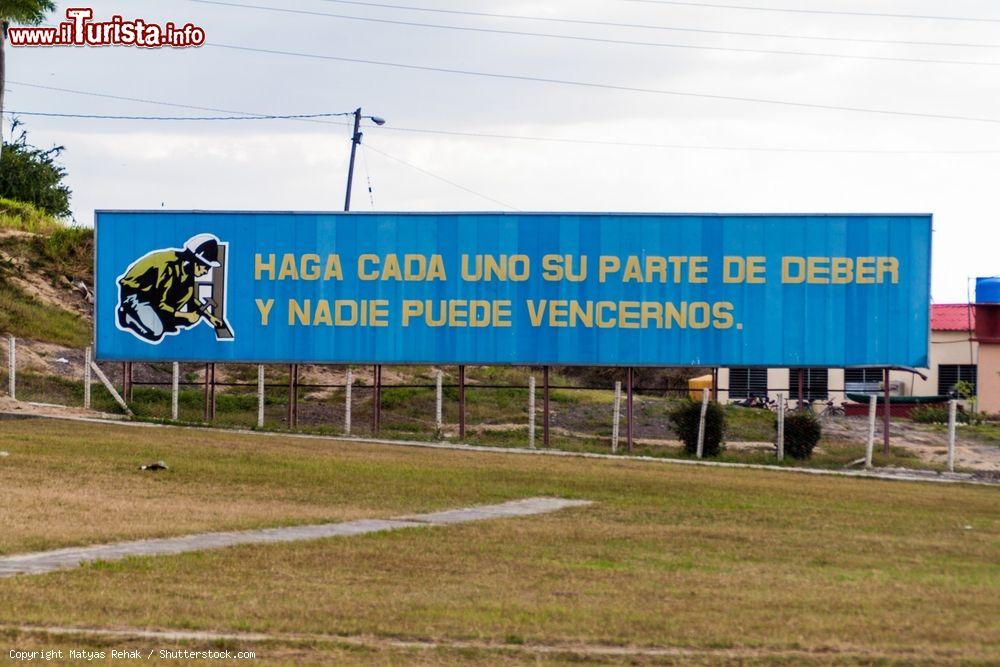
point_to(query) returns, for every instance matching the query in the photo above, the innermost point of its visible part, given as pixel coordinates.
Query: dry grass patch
(68, 483)
(771, 566)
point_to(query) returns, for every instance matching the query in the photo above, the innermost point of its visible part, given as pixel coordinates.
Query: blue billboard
(534, 288)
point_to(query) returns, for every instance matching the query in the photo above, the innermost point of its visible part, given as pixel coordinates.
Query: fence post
(439, 404)
(348, 385)
(175, 386)
(87, 375)
(952, 418)
(781, 427)
(870, 445)
(616, 418)
(701, 423)
(260, 395)
(531, 412)
(545, 406)
(12, 363)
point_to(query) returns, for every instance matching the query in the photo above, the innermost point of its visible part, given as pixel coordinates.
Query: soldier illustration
(158, 294)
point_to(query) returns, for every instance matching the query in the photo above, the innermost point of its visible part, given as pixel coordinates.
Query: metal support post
(461, 403)
(629, 414)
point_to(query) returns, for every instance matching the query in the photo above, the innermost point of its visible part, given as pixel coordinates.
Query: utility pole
(355, 140)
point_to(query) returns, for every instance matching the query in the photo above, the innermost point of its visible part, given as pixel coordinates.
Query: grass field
(744, 565)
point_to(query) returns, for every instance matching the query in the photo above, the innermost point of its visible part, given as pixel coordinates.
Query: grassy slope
(56, 251)
(26, 317)
(24, 217)
(668, 556)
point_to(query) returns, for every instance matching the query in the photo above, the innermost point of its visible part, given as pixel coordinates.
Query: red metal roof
(952, 317)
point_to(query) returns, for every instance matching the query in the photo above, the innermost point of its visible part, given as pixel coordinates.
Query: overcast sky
(295, 165)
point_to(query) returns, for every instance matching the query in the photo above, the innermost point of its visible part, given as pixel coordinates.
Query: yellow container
(695, 385)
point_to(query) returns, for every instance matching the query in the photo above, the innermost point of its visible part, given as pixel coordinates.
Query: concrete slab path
(64, 559)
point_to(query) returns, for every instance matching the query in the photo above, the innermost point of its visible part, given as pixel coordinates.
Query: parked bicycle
(759, 401)
(831, 410)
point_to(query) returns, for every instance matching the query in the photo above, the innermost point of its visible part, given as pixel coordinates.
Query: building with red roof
(953, 317)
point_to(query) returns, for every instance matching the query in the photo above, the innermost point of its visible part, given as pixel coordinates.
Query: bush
(33, 175)
(935, 414)
(802, 433)
(685, 418)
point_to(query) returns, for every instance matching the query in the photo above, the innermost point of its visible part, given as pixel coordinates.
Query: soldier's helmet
(204, 249)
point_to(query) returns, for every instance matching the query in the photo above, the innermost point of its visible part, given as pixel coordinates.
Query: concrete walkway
(64, 559)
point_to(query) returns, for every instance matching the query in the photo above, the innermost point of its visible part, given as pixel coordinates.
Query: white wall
(947, 347)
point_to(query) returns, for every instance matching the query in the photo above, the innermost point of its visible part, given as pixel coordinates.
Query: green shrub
(935, 414)
(34, 175)
(802, 434)
(685, 419)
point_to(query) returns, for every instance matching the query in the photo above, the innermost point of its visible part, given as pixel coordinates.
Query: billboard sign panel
(492, 288)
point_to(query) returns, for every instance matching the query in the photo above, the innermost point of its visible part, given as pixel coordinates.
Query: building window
(815, 383)
(863, 380)
(951, 374)
(747, 382)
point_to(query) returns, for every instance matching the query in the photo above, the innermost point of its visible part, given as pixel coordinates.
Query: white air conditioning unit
(896, 388)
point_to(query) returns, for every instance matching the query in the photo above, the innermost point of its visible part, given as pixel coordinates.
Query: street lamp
(355, 140)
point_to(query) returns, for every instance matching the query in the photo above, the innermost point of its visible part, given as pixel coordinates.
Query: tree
(32, 175)
(29, 12)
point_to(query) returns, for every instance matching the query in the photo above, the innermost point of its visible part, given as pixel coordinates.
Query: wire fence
(361, 401)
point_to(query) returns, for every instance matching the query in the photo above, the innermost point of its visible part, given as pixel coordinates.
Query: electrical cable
(514, 137)
(643, 26)
(368, 175)
(441, 178)
(607, 86)
(581, 38)
(49, 114)
(705, 147)
(247, 113)
(828, 12)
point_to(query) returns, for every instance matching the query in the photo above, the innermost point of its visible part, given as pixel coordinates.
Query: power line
(606, 86)
(703, 147)
(124, 98)
(581, 38)
(508, 137)
(440, 178)
(833, 12)
(643, 26)
(49, 114)
(247, 113)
